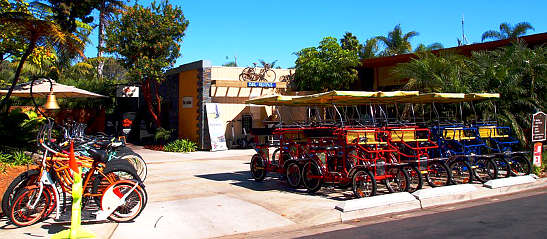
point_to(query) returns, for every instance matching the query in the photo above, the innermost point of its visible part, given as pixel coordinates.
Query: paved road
(516, 218)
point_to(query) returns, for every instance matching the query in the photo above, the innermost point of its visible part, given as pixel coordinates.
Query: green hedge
(180, 145)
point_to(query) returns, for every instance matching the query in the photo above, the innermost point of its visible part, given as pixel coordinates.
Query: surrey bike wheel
(293, 175)
(364, 184)
(461, 172)
(485, 169)
(311, 177)
(416, 181)
(438, 174)
(23, 212)
(258, 169)
(520, 166)
(399, 180)
(504, 167)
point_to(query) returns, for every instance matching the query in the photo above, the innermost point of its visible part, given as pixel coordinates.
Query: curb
(431, 197)
(438, 196)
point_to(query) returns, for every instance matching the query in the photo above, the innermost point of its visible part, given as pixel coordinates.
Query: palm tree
(430, 47)
(507, 31)
(396, 42)
(350, 42)
(370, 49)
(266, 64)
(37, 32)
(107, 9)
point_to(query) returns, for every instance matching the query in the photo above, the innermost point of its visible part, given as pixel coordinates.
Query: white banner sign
(216, 127)
(127, 91)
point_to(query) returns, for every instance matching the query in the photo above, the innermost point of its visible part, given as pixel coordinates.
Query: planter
(10, 174)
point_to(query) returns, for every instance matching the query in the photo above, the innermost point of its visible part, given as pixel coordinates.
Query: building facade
(189, 88)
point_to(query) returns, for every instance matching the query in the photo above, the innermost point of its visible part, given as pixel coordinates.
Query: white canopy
(41, 88)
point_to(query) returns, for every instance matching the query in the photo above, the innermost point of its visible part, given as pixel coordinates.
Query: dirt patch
(154, 147)
(7, 177)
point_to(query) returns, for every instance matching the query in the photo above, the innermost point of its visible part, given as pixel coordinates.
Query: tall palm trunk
(150, 90)
(27, 53)
(102, 23)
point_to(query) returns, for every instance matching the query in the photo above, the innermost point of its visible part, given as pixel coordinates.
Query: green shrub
(539, 170)
(180, 145)
(163, 135)
(20, 158)
(15, 158)
(5, 158)
(19, 129)
(3, 167)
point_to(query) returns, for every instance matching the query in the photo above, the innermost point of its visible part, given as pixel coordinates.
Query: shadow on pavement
(54, 228)
(274, 182)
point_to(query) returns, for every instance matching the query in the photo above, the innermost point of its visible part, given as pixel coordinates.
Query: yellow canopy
(480, 96)
(353, 97)
(272, 100)
(434, 97)
(369, 97)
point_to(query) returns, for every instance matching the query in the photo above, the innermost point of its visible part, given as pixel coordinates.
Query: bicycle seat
(98, 155)
(103, 144)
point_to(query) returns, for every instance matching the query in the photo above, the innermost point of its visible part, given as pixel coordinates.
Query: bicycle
(265, 74)
(115, 147)
(114, 186)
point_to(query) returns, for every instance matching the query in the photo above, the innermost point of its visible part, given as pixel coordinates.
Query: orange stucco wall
(188, 117)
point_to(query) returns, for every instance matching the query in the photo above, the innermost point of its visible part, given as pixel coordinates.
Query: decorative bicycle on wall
(264, 74)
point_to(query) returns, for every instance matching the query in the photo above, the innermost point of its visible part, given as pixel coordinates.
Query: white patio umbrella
(41, 88)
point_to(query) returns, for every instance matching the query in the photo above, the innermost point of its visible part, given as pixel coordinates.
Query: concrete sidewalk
(211, 194)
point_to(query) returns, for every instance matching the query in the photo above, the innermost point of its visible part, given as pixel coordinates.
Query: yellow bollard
(75, 230)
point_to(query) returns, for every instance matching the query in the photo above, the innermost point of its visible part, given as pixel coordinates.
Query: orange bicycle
(114, 186)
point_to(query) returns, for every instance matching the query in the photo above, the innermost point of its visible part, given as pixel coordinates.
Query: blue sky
(274, 30)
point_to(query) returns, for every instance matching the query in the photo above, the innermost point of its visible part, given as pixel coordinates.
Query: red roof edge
(531, 40)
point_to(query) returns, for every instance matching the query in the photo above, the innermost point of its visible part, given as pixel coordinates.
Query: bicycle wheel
(26, 178)
(23, 212)
(111, 174)
(276, 156)
(364, 184)
(133, 205)
(416, 181)
(485, 169)
(53, 201)
(138, 163)
(520, 166)
(293, 175)
(504, 167)
(246, 74)
(461, 172)
(258, 170)
(269, 76)
(399, 181)
(438, 174)
(124, 150)
(311, 177)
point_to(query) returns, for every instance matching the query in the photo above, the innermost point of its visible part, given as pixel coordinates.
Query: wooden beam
(246, 84)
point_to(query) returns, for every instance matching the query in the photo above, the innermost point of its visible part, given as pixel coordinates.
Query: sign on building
(187, 102)
(539, 127)
(261, 84)
(127, 91)
(216, 127)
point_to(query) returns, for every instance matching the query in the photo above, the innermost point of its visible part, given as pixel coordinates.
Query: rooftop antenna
(464, 39)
